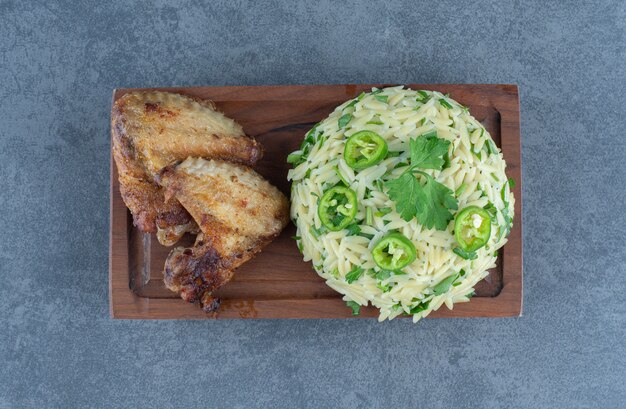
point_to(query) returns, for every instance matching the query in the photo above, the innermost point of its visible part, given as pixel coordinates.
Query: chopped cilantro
(353, 229)
(422, 306)
(491, 209)
(423, 97)
(382, 98)
(444, 285)
(317, 232)
(293, 158)
(460, 189)
(446, 161)
(298, 242)
(379, 185)
(477, 154)
(383, 211)
(310, 139)
(354, 274)
(376, 121)
(511, 183)
(343, 121)
(383, 275)
(445, 103)
(384, 288)
(508, 221)
(356, 308)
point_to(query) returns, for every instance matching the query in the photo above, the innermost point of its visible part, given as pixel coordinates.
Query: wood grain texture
(277, 283)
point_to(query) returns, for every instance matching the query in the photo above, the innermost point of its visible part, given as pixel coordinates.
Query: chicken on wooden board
(151, 130)
(238, 213)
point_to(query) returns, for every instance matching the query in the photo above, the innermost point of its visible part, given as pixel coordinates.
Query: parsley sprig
(428, 201)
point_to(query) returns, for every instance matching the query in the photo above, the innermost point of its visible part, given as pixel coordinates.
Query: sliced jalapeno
(364, 149)
(338, 207)
(394, 251)
(472, 228)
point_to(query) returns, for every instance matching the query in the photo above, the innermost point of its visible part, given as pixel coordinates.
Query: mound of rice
(476, 173)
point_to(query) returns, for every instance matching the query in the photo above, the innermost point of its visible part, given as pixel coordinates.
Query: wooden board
(277, 283)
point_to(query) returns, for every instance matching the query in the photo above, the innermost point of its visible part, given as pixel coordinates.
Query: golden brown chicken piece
(238, 212)
(151, 130)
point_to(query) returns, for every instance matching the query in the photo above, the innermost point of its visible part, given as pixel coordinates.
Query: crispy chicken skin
(151, 130)
(238, 213)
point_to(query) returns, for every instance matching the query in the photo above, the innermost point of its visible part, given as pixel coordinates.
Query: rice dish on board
(401, 200)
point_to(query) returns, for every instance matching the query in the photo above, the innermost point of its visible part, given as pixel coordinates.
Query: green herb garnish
(445, 103)
(491, 209)
(379, 185)
(318, 232)
(444, 285)
(293, 158)
(356, 308)
(423, 97)
(383, 275)
(381, 98)
(354, 274)
(511, 183)
(431, 202)
(375, 121)
(353, 229)
(343, 121)
(384, 288)
(422, 306)
(383, 211)
(460, 189)
(351, 104)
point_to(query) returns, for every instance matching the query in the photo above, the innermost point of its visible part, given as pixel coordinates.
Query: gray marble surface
(59, 62)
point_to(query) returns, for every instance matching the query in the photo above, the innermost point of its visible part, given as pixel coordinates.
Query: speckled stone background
(59, 62)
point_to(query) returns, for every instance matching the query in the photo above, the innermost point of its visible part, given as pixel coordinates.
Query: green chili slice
(472, 228)
(337, 208)
(364, 149)
(394, 251)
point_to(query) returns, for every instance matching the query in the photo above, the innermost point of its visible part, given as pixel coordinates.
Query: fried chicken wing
(238, 213)
(151, 130)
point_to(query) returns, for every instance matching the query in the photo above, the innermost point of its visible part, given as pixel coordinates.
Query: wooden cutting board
(277, 283)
